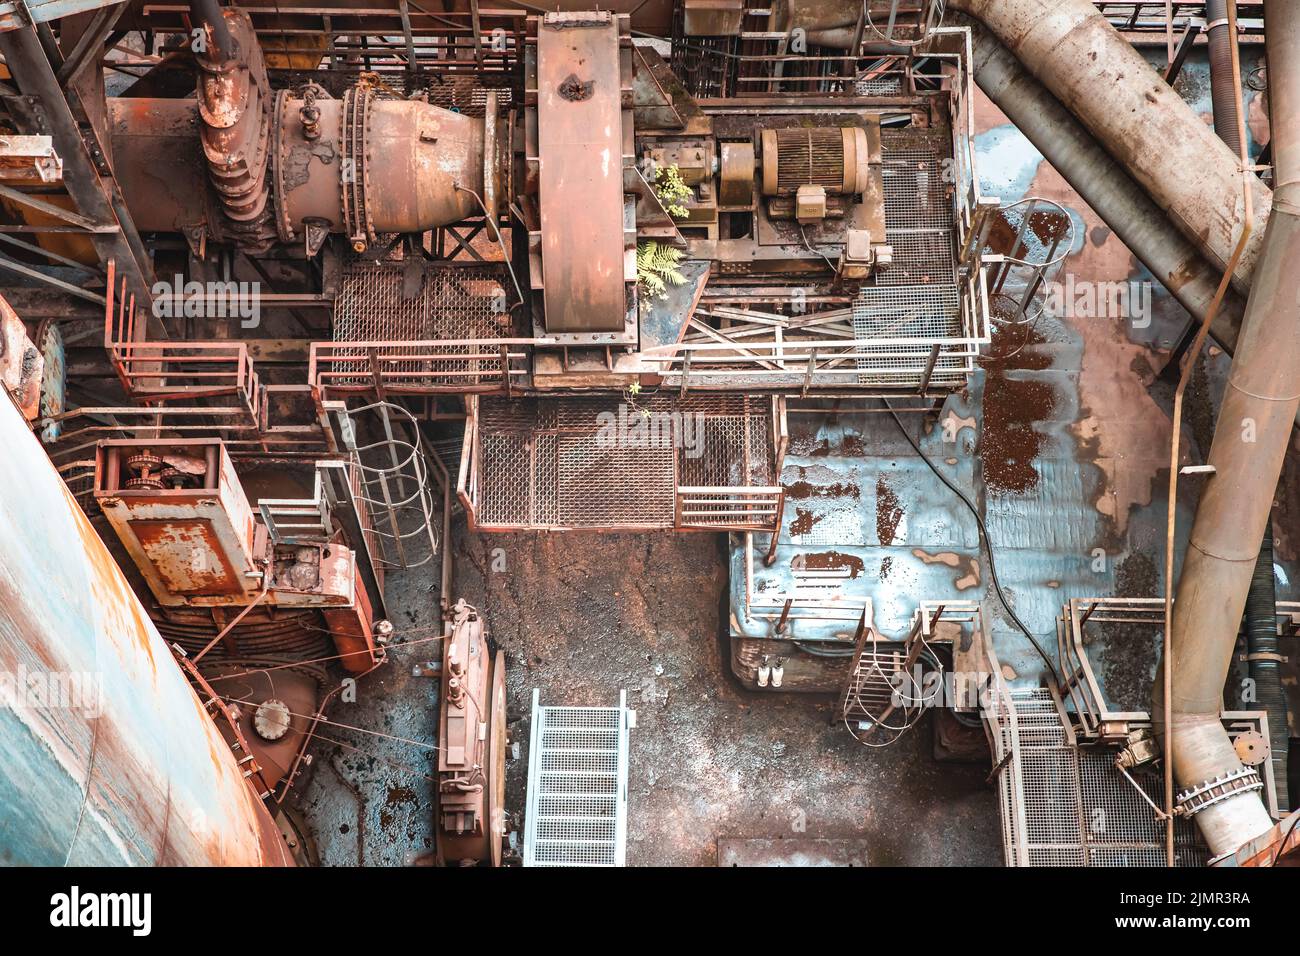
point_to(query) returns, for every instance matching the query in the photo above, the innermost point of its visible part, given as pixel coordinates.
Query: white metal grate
(577, 785)
(1063, 805)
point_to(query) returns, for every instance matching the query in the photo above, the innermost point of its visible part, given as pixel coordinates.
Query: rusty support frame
(87, 177)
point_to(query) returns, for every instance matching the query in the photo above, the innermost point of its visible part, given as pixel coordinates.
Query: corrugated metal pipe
(1264, 656)
(1124, 205)
(1223, 90)
(1137, 117)
(1250, 442)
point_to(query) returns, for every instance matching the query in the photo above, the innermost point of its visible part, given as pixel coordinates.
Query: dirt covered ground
(583, 616)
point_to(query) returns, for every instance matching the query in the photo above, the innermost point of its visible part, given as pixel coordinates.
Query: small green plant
(673, 191)
(656, 268)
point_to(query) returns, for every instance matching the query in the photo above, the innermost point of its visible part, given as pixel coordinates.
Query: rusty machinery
(575, 150)
(233, 598)
(792, 185)
(471, 743)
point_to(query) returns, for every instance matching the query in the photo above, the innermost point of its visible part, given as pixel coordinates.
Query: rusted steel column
(1109, 190)
(1250, 441)
(1146, 126)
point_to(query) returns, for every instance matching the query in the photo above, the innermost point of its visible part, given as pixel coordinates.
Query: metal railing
(161, 372)
(840, 349)
(420, 367)
(1089, 709)
(729, 509)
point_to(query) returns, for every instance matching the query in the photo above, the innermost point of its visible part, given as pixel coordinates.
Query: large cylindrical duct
(1250, 442)
(1138, 222)
(360, 165)
(110, 759)
(1146, 126)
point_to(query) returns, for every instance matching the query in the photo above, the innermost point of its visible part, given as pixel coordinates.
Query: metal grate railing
(576, 813)
(645, 462)
(1065, 805)
(434, 329)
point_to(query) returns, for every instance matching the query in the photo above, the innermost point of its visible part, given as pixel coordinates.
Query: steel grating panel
(464, 96)
(575, 461)
(878, 86)
(1062, 805)
(917, 297)
(381, 302)
(918, 182)
(931, 313)
(576, 811)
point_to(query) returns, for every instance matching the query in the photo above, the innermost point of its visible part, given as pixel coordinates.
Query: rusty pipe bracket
(1195, 799)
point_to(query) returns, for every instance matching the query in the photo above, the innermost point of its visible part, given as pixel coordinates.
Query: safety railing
(848, 349)
(730, 509)
(419, 367)
(157, 373)
(1091, 713)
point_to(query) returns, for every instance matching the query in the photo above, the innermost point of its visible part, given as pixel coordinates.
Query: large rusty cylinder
(1250, 442)
(411, 161)
(837, 159)
(415, 157)
(1150, 130)
(1124, 205)
(815, 16)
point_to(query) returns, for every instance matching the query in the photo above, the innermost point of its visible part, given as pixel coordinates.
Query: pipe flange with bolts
(1193, 801)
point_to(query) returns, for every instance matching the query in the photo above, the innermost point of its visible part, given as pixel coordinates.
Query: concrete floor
(583, 616)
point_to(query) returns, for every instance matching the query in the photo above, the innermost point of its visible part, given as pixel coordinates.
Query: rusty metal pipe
(1250, 442)
(206, 15)
(1124, 206)
(418, 152)
(1137, 117)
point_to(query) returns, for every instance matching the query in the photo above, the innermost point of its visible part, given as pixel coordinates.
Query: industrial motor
(837, 159)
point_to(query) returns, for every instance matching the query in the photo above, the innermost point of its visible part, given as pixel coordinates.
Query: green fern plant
(672, 191)
(656, 268)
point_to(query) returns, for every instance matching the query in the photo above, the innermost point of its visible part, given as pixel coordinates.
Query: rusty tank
(111, 759)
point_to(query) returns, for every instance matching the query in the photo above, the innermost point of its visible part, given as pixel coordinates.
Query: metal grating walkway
(388, 302)
(1063, 805)
(604, 463)
(917, 298)
(576, 811)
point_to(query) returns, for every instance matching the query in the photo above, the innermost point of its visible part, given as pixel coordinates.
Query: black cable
(986, 544)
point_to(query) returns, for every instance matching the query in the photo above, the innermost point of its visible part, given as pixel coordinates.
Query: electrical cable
(490, 219)
(986, 543)
(913, 708)
(817, 252)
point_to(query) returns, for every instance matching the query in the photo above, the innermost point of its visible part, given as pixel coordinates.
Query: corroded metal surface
(1143, 122)
(131, 770)
(580, 130)
(1062, 439)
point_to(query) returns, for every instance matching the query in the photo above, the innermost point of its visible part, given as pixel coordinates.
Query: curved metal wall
(106, 755)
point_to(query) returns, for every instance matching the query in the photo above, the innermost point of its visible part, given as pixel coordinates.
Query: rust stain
(804, 521)
(1121, 427)
(1010, 444)
(828, 561)
(888, 512)
(803, 490)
